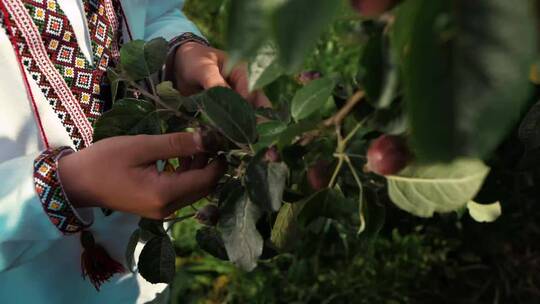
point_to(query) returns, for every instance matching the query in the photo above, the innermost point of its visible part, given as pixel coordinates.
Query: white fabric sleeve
(25, 229)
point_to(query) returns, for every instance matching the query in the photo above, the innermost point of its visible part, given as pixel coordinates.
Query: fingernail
(198, 140)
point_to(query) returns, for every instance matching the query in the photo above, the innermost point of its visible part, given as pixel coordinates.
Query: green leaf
(375, 215)
(153, 226)
(296, 36)
(130, 249)
(140, 59)
(425, 189)
(229, 113)
(389, 121)
(272, 114)
(380, 76)
(484, 213)
(114, 79)
(264, 68)
(265, 182)
(311, 98)
(529, 129)
(246, 29)
(128, 117)
(285, 231)
(237, 225)
(327, 203)
(294, 130)
(271, 129)
(170, 95)
(465, 66)
(156, 262)
(269, 133)
(210, 241)
(277, 179)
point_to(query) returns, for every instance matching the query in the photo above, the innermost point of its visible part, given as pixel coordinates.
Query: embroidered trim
(111, 15)
(29, 93)
(49, 189)
(36, 47)
(77, 75)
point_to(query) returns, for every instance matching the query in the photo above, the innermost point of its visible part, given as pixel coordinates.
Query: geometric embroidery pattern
(51, 194)
(82, 77)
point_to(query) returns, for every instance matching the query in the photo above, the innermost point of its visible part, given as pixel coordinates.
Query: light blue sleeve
(167, 20)
(25, 229)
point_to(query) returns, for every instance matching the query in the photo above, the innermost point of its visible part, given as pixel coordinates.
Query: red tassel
(96, 263)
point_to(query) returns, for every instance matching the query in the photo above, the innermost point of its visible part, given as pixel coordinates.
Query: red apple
(319, 174)
(372, 8)
(308, 76)
(388, 155)
(272, 155)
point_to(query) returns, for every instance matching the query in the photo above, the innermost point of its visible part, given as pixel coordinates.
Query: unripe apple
(319, 174)
(387, 155)
(208, 215)
(372, 8)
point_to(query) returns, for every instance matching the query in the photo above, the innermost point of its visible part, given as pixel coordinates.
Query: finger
(199, 161)
(191, 199)
(261, 101)
(210, 77)
(240, 82)
(185, 164)
(176, 188)
(238, 79)
(151, 148)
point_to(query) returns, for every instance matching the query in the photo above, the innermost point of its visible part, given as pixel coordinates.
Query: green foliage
(264, 68)
(266, 182)
(237, 225)
(424, 189)
(230, 113)
(156, 262)
(128, 117)
(296, 36)
(311, 98)
(475, 55)
(448, 76)
(141, 59)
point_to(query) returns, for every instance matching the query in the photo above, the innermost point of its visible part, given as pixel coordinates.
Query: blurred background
(446, 259)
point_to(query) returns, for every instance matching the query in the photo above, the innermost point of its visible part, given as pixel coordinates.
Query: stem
(353, 155)
(179, 219)
(144, 92)
(338, 118)
(152, 86)
(158, 101)
(335, 174)
(339, 151)
(353, 132)
(360, 194)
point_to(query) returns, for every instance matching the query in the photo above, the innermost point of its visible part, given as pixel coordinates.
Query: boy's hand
(120, 174)
(199, 67)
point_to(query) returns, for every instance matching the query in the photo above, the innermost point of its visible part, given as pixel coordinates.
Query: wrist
(71, 176)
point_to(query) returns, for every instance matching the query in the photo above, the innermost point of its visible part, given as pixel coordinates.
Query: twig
(179, 219)
(338, 118)
(360, 195)
(336, 172)
(176, 220)
(157, 100)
